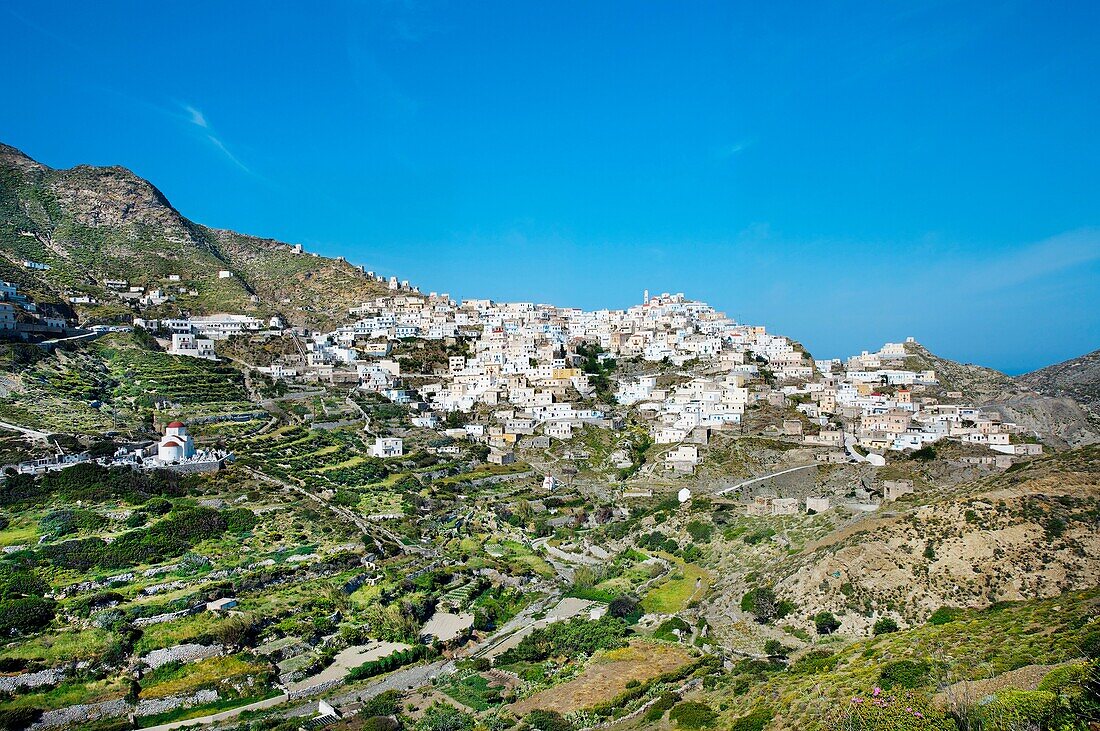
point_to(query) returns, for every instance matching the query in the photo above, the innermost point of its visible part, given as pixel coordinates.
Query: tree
(623, 606)
(762, 602)
(826, 623)
(884, 626)
(524, 511)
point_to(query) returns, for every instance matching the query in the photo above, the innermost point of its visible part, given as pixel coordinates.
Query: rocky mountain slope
(1052, 403)
(89, 224)
(1027, 533)
(1078, 378)
(977, 382)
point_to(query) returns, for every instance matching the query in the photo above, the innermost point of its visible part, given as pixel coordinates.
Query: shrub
(14, 719)
(383, 704)
(775, 647)
(756, 720)
(239, 520)
(1060, 678)
(390, 662)
(699, 531)
(1012, 709)
(664, 702)
(925, 454)
(692, 714)
(884, 626)
(903, 674)
(667, 629)
(765, 605)
(907, 712)
(379, 723)
(444, 717)
(943, 615)
(815, 661)
(826, 623)
(20, 583)
(1090, 645)
(28, 614)
(541, 720)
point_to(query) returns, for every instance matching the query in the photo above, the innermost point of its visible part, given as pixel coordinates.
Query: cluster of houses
(884, 406)
(21, 317)
(195, 336)
(520, 363)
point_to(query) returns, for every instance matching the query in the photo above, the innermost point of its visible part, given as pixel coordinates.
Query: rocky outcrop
(1029, 541)
(1057, 420)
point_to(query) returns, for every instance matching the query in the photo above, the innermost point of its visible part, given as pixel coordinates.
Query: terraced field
(116, 384)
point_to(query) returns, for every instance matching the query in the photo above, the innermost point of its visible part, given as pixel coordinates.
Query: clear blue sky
(845, 173)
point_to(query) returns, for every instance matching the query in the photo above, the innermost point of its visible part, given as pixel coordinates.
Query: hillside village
(527, 370)
(339, 502)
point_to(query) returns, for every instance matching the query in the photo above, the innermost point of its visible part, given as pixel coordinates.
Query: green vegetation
(390, 662)
(575, 637)
(692, 714)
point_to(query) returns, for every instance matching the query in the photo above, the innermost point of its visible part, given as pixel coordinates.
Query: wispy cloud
(725, 152)
(225, 151)
(1079, 247)
(198, 119)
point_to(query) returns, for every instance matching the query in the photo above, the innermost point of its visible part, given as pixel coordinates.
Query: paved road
(32, 433)
(754, 480)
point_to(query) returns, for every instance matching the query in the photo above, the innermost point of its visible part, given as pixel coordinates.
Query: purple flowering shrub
(881, 711)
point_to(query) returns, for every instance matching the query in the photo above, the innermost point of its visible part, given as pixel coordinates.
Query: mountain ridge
(90, 223)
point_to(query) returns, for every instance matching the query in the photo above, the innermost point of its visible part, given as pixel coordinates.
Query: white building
(194, 347)
(387, 447)
(176, 445)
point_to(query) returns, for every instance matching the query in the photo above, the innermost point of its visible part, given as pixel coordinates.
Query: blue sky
(846, 173)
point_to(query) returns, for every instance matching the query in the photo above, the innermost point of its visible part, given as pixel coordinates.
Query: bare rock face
(1078, 379)
(112, 197)
(1058, 420)
(13, 158)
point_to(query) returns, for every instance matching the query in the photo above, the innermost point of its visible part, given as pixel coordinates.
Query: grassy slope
(978, 644)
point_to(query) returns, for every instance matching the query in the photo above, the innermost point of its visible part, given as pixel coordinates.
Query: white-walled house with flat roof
(387, 447)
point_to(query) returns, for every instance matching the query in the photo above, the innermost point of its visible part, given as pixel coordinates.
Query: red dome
(175, 425)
